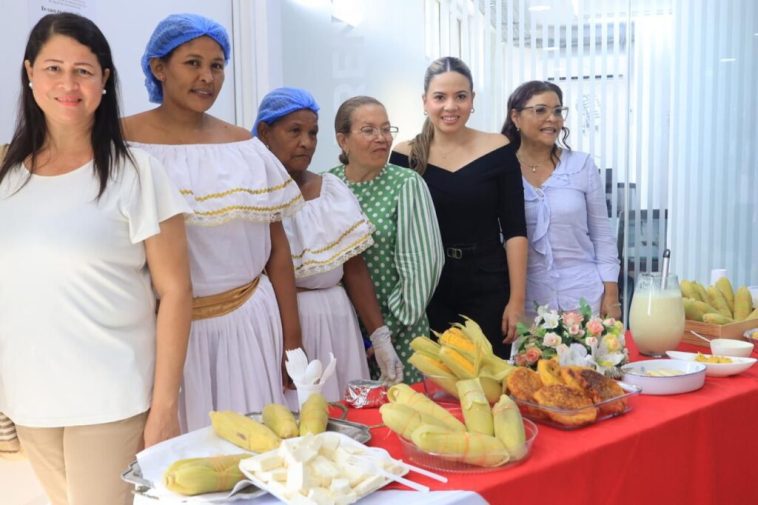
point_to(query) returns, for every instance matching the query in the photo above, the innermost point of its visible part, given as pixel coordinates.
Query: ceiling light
(728, 60)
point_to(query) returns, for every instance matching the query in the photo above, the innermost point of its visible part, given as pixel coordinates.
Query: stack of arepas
(572, 395)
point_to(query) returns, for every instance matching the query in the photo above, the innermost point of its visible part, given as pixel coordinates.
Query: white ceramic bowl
(690, 376)
(736, 366)
(731, 347)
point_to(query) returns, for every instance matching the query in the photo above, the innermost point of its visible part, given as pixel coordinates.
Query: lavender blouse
(572, 249)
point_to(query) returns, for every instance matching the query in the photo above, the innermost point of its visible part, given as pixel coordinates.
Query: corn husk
(402, 393)
(743, 303)
(280, 420)
(436, 371)
(426, 346)
(404, 420)
(193, 476)
(476, 408)
(243, 431)
(471, 448)
(509, 427)
(314, 415)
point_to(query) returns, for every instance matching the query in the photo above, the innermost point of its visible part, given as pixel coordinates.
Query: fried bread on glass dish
(522, 383)
(567, 398)
(596, 386)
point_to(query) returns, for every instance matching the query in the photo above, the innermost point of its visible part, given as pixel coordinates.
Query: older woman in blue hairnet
(327, 238)
(243, 318)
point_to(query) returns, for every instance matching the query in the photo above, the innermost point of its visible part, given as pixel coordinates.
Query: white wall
(127, 26)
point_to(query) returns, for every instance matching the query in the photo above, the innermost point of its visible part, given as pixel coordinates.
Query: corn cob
(688, 290)
(743, 302)
(280, 420)
(491, 386)
(509, 427)
(717, 300)
(702, 294)
(402, 393)
(314, 415)
(476, 408)
(454, 338)
(204, 475)
(462, 367)
(752, 315)
(426, 346)
(474, 332)
(436, 371)
(243, 431)
(472, 448)
(716, 318)
(404, 420)
(694, 309)
(723, 285)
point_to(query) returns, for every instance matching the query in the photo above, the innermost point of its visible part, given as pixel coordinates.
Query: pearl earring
(473, 110)
(105, 91)
(425, 112)
(30, 85)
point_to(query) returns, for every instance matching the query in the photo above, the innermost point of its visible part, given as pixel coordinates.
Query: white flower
(551, 339)
(576, 354)
(551, 320)
(542, 310)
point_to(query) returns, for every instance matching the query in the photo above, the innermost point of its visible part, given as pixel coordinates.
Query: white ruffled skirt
(329, 324)
(234, 361)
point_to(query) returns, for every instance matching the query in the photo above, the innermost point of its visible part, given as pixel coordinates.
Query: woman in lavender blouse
(572, 251)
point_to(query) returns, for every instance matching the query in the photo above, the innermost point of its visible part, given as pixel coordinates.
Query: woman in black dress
(475, 182)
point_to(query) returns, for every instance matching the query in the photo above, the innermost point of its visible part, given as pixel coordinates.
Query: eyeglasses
(369, 132)
(542, 111)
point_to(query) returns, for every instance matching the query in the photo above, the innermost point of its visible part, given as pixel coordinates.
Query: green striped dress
(406, 259)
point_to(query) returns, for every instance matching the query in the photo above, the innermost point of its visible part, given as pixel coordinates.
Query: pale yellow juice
(657, 321)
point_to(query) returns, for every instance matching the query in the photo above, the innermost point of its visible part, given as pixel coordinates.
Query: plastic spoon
(370, 465)
(698, 335)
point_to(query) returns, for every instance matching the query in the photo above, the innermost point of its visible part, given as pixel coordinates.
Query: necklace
(531, 166)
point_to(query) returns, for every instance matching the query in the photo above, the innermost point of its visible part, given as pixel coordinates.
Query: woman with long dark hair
(572, 251)
(89, 228)
(474, 181)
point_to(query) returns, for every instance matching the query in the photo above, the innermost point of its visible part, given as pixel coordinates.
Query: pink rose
(595, 326)
(521, 359)
(551, 339)
(533, 355)
(575, 330)
(571, 318)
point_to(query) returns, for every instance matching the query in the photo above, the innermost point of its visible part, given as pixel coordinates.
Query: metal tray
(246, 489)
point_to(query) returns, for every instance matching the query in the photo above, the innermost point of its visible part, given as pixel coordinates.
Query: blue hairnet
(282, 101)
(171, 33)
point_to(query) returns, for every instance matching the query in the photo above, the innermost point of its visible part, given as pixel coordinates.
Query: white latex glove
(386, 357)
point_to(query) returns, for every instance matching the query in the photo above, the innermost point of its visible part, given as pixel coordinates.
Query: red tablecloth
(695, 448)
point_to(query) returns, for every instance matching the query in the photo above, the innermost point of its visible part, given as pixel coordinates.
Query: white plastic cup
(304, 391)
(754, 293)
(717, 273)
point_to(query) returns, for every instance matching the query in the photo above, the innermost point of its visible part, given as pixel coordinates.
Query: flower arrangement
(575, 338)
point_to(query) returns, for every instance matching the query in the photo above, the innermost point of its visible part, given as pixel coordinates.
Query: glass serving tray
(244, 489)
(571, 419)
(454, 464)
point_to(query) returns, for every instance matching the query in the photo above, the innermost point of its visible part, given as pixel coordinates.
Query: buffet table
(694, 448)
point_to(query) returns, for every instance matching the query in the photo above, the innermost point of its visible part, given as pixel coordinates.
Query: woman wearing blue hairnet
(243, 318)
(327, 238)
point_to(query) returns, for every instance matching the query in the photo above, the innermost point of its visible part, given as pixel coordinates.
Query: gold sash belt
(204, 307)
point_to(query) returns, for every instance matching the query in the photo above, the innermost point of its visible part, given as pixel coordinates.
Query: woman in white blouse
(572, 251)
(89, 228)
(243, 318)
(327, 238)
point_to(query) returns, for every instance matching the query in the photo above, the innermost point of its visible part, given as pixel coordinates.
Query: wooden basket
(732, 330)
